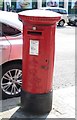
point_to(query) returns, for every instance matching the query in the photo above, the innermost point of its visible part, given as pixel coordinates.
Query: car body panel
(64, 16)
(10, 46)
(10, 18)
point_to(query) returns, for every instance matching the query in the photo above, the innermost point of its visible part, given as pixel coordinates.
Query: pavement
(63, 106)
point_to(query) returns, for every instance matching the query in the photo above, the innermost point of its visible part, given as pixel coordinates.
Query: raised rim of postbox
(39, 17)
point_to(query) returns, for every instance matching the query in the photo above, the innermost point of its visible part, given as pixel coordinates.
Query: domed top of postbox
(39, 17)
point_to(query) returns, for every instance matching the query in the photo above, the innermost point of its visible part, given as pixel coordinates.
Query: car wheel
(75, 23)
(61, 23)
(11, 80)
(69, 23)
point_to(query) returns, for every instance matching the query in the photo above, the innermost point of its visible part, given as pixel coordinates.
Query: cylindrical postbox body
(38, 60)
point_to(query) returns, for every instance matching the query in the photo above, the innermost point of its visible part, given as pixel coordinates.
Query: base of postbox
(36, 103)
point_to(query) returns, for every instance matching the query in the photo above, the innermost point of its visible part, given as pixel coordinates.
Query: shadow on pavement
(9, 103)
(14, 107)
(20, 114)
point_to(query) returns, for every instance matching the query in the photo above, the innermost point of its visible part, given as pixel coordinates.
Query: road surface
(64, 66)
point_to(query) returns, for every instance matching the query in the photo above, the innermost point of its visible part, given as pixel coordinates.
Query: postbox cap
(39, 16)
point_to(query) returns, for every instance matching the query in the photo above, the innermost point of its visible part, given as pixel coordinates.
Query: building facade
(69, 5)
(33, 4)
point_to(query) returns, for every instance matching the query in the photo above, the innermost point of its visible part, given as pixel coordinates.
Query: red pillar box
(38, 59)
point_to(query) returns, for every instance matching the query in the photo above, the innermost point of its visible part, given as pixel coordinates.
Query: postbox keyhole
(46, 60)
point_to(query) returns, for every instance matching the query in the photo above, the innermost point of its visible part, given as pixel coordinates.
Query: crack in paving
(57, 111)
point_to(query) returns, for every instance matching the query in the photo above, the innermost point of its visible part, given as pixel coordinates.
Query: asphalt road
(64, 66)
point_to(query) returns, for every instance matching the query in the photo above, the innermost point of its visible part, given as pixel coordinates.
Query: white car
(62, 11)
(10, 55)
(72, 20)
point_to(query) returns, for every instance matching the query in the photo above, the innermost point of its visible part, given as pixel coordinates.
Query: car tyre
(69, 23)
(11, 80)
(75, 23)
(61, 23)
